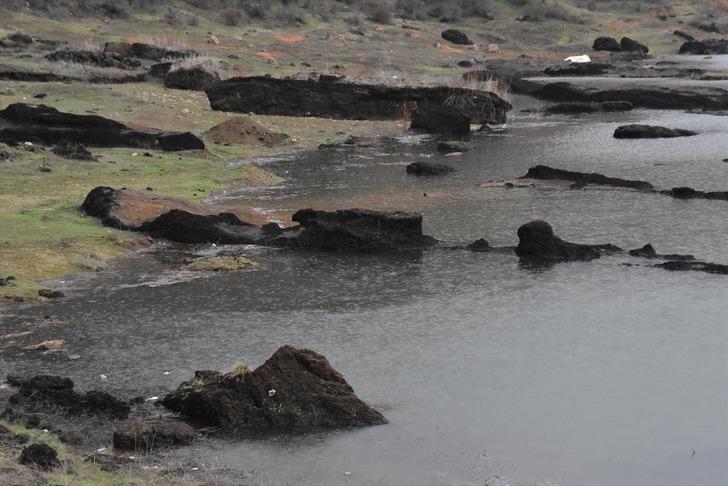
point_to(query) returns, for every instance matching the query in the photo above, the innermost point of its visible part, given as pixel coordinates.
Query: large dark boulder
(456, 37)
(145, 51)
(606, 44)
(42, 456)
(341, 100)
(172, 141)
(705, 47)
(649, 131)
(44, 392)
(185, 227)
(150, 436)
(631, 45)
(544, 172)
(293, 388)
(41, 124)
(195, 78)
(355, 230)
(428, 169)
(538, 241)
(160, 69)
(441, 119)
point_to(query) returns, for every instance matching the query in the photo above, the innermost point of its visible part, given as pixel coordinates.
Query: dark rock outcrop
(293, 388)
(41, 124)
(656, 97)
(606, 44)
(160, 70)
(631, 45)
(51, 294)
(95, 58)
(145, 51)
(578, 107)
(44, 392)
(683, 35)
(194, 78)
(428, 169)
(73, 151)
(683, 266)
(295, 97)
(172, 141)
(451, 148)
(578, 69)
(456, 37)
(355, 230)
(536, 240)
(42, 456)
(690, 193)
(649, 131)
(184, 227)
(150, 436)
(543, 172)
(441, 119)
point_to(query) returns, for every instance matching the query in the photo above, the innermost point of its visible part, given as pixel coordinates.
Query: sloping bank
(342, 100)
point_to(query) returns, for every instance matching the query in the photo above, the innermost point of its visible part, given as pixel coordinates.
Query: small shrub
(234, 17)
(241, 368)
(193, 21)
(380, 11)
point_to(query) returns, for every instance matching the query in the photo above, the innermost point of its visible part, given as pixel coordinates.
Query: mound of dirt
(244, 131)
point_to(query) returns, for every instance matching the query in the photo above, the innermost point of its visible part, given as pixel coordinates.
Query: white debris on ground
(578, 59)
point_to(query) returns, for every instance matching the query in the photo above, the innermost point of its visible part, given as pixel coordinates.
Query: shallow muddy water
(489, 371)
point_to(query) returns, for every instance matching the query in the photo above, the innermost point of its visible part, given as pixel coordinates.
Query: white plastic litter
(578, 59)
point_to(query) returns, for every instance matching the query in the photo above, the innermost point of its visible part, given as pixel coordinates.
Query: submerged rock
(578, 107)
(538, 241)
(42, 456)
(441, 119)
(341, 100)
(45, 391)
(644, 96)
(690, 193)
(451, 148)
(293, 388)
(544, 172)
(649, 131)
(428, 169)
(150, 436)
(479, 245)
(682, 266)
(648, 251)
(578, 69)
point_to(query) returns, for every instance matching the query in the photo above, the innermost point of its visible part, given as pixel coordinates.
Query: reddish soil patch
(290, 39)
(244, 131)
(137, 207)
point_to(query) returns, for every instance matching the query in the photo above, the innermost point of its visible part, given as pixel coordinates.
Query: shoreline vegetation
(40, 191)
